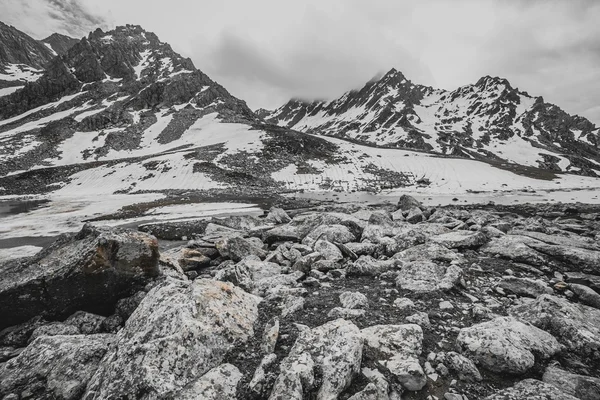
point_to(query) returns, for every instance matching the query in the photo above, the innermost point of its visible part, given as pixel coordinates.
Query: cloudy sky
(267, 51)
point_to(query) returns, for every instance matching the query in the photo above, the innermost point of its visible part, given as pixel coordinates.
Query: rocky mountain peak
(18, 48)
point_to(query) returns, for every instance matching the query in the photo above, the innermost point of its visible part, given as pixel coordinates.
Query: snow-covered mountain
(487, 120)
(121, 112)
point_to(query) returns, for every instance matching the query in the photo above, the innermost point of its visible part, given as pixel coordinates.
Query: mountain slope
(122, 113)
(489, 119)
(60, 44)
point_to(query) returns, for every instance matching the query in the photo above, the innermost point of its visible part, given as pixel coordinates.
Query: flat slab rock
(179, 332)
(580, 386)
(531, 389)
(506, 344)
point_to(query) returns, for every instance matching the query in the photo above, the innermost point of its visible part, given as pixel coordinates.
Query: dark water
(13, 207)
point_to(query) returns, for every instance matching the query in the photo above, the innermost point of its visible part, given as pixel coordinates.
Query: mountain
(60, 44)
(122, 113)
(486, 120)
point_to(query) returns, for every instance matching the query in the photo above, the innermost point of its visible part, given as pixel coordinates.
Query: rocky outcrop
(88, 271)
(531, 389)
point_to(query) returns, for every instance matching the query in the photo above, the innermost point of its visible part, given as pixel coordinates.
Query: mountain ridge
(393, 112)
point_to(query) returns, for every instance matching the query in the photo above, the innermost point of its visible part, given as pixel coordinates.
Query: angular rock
(237, 248)
(429, 252)
(574, 325)
(277, 216)
(345, 313)
(54, 329)
(581, 386)
(86, 323)
(524, 286)
(88, 271)
(354, 300)
(328, 250)
(54, 367)
(506, 344)
(331, 233)
(586, 295)
(515, 248)
(399, 347)
(424, 276)
(465, 368)
(406, 202)
(179, 332)
(368, 266)
(415, 215)
(531, 389)
(335, 348)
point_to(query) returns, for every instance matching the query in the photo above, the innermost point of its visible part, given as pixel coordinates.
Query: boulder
(179, 332)
(464, 368)
(87, 271)
(86, 323)
(354, 300)
(515, 248)
(54, 367)
(328, 250)
(506, 344)
(335, 348)
(368, 266)
(406, 202)
(531, 389)
(576, 326)
(429, 252)
(415, 215)
(54, 329)
(586, 295)
(398, 348)
(277, 216)
(581, 386)
(424, 276)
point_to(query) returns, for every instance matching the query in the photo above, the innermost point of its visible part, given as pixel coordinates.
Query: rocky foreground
(348, 302)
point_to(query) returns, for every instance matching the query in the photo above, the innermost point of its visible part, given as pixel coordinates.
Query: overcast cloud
(267, 51)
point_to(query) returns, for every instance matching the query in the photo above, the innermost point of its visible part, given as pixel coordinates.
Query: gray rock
(531, 389)
(86, 323)
(465, 368)
(424, 276)
(126, 306)
(18, 335)
(270, 335)
(515, 248)
(461, 239)
(580, 386)
(335, 348)
(399, 347)
(260, 378)
(237, 248)
(368, 266)
(54, 329)
(524, 286)
(406, 202)
(56, 367)
(328, 250)
(179, 332)
(415, 215)
(89, 270)
(354, 300)
(574, 325)
(403, 303)
(429, 252)
(506, 344)
(346, 313)
(419, 318)
(277, 216)
(219, 383)
(363, 248)
(331, 233)
(586, 295)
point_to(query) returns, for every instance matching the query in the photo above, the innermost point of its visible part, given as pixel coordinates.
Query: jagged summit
(59, 43)
(17, 48)
(489, 120)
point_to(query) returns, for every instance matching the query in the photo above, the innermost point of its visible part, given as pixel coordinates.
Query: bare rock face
(88, 271)
(54, 367)
(574, 325)
(406, 202)
(506, 344)
(179, 332)
(531, 389)
(461, 239)
(335, 347)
